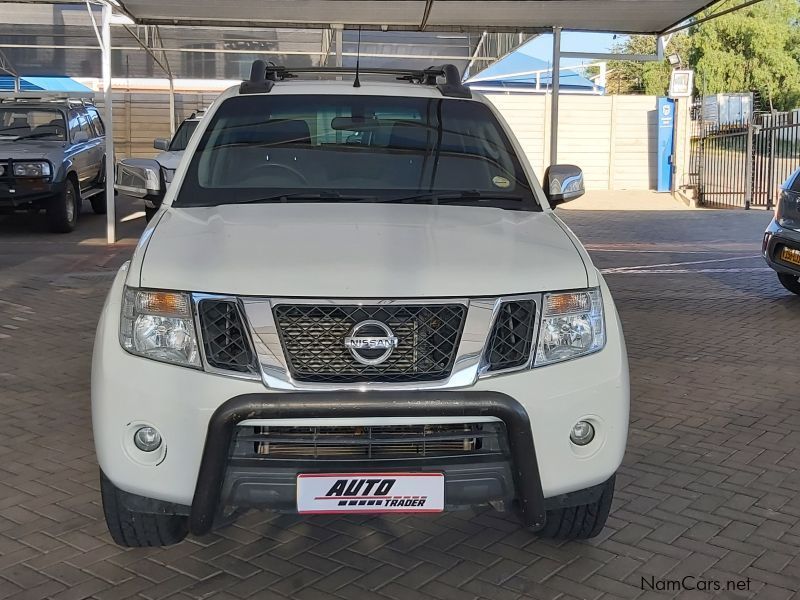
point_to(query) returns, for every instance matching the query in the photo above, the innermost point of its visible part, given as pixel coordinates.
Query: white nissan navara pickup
(356, 298)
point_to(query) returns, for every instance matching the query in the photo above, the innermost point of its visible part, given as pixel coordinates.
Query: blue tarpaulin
(42, 84)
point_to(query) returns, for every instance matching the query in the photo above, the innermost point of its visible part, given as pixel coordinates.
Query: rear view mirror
(79, 137)
(356, 123)
(563, 183)
(161, 144)
(141, 178)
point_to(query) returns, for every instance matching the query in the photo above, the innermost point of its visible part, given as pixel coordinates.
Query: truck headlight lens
(572, 326)
(32, 169)
(159, 325)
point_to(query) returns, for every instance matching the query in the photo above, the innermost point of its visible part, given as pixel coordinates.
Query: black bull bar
(341, 404)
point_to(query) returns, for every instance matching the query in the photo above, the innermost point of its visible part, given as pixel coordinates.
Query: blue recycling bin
(666, 133)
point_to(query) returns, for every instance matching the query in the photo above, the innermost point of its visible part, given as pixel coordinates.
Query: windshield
(327, 148)
(181, 137)
(19, 122)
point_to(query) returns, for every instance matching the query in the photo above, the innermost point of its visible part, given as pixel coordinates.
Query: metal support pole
(748, 168)
(339, 42)
(171, 107)
(105, 48)
(556, 79)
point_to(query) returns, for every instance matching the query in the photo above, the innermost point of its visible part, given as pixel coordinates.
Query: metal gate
(744, 164)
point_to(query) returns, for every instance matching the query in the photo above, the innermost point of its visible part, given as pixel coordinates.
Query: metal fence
(743, 164)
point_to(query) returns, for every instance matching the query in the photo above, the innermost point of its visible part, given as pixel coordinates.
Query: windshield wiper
(323, 196)
(41, 134)
(472, 196)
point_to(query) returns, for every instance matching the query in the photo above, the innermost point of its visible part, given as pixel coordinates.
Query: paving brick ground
(709, 486)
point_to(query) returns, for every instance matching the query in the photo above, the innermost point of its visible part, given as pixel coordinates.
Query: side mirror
(161, 144)
(79, 137)
(141, 178)
(563, 183)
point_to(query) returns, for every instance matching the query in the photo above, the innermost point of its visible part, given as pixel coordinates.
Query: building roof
(42, 84)
(520, 70)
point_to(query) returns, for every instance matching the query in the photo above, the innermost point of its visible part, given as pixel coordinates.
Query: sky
(542, 46)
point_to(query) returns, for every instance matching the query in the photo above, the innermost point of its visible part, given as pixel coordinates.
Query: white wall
(612, 138)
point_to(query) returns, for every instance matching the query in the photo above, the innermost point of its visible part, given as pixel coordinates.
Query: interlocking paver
(709, 485)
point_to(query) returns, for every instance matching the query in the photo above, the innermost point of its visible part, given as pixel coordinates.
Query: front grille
(512, 336)
(383, 442)
(225, 342)
(313, 341)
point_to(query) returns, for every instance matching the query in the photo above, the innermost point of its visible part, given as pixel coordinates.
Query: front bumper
(19, 192)
(214, 465)
(775, 237)
(195, 412)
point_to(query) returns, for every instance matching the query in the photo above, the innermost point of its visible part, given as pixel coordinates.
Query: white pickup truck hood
(336, 250)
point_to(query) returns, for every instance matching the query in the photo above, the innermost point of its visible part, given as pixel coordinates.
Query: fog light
(147, 439)
(582, 433)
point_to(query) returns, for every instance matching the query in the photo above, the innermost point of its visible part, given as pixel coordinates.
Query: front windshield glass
(182, 136)
(20, 122)
(328, 148)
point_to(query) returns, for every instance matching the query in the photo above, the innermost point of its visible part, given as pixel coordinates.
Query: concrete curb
(683, 198)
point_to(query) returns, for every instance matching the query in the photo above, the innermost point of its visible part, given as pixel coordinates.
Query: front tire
(99, 205)
(580, 522)
(136, 529)
(790, 282)
(62, 210)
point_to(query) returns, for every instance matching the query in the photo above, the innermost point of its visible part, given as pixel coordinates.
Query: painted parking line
(638, 271)
(680, 267)
(682, 263)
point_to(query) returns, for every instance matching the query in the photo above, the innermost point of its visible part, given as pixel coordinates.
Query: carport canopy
(617, 16)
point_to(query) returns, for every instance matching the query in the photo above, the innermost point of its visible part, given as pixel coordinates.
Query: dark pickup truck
(52, 157)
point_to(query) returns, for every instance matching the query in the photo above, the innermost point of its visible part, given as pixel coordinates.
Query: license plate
(790, 255)
(330, 493)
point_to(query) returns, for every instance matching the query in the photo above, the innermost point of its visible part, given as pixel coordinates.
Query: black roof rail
(264, 75)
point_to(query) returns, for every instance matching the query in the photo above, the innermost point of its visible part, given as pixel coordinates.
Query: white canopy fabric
(618, 16)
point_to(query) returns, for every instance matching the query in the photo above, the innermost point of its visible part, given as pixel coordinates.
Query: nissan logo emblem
(371, 342)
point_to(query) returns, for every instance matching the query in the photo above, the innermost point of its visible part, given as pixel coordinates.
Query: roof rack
(79, 99)
(263, 77)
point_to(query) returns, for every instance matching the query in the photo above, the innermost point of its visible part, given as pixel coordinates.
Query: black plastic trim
(293, 405)
(776, 263)
(263, 76)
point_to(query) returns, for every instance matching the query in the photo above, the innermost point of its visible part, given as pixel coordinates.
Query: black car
(52, 156)
(781, 246)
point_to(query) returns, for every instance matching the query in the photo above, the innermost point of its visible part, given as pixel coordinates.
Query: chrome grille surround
(470, 362)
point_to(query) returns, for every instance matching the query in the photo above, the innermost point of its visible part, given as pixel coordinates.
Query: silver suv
(52, 156)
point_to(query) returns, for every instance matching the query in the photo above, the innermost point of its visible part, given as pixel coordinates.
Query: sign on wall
(681, 83)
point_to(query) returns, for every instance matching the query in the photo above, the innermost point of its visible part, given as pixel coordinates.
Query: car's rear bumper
(776, 237)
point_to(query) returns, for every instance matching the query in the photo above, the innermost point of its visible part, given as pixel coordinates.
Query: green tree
(628, 77)
(753, 49)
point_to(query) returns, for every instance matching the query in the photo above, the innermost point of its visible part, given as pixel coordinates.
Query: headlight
(159, 325)
(572, 326)
(32, 169)
(787, 211)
